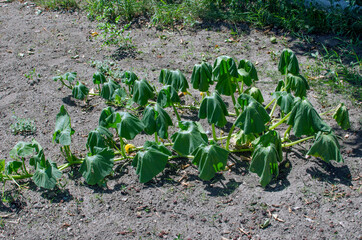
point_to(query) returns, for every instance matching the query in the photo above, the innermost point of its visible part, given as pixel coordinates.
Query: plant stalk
(214, 132)
(281, 121)
(296, 142)
(229, 137)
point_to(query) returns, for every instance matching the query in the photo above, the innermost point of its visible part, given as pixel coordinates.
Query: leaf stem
(296, 142)
(175, 110)
(214, 132)
(281, 121)
(269, 104)
(273, 109)
(228, 137)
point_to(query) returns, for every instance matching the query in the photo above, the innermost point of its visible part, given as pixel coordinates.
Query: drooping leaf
(96, 167)
(63, 130)
(99, 78)
(326, 146)
(46, 176)
(268, 139)
(129, 126)
(342, 117)
(254, 116)
(149, 120)
(174, 78)
(247, 72)
(155, 119)
(163, 121)
(129, 78)
(214, 109)
(167, 96)
(225, 73)
(256, 94)
(280, 86)
(151, 161)
(99, 137)
(284, 100)
(108, 89)
(80, 91)
(119, 95)
(210, 160)
(201, 77)
(142, 92)
(288, 63)
(12, 167)
(265, 163)
(189, 137)
(22, 149)
(298, 84)
(109, 118)
(242, 139)
(2, 165)
(305, 119)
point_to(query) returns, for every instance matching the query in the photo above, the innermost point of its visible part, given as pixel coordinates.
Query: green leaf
(288, 63)
(142, 92)
(201, 77)
(247, 72)
(22, 149)
(305, 119)
(265, 163)
(174, 78)
(167, 96)
(225, 73)
(284, 100)
(12, 167)
(243, 139)
(129, 126)
(155, 119)
(151, 161)
(189, 137)
(70, 76)
(2, 165)
(108, 89)
(210, 160)
(46, 175)
(98, 138)
(214, 108)
(119, 95)
(254, 116)
(268, 139)
(63, 130)
(342, 117)
(280, 86)
(149, 120)
(96, 167)
(326, 146)
(298, 84)
(256, 94)
(129, 78)
(109, 118)
(80, 91)
(99, 78)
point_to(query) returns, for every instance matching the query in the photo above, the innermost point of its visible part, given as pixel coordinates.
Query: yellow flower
(129, 148)
(202, 94)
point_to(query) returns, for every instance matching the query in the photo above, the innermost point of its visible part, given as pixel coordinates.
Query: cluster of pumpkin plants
(144, 110)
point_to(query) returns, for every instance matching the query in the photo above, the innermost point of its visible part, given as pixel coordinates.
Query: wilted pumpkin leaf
(80, 91)
(210, 160)
(142, 92)
(214, 109)
(167, 96)
(256, 94)
(288, 63)
(326, 146)
(247, 72)
(174, 78)
(63, 130)
(189, 137)
(151, 161)
(284, 100)
(129, 125)
(201, 77)
(342, 117)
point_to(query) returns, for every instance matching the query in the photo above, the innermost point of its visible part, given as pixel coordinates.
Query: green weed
(58, 4)
(24, 126)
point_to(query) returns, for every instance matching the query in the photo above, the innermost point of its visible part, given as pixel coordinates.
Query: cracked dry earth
(309, 200)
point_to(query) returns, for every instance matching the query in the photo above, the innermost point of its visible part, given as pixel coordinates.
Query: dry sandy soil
(309, 200)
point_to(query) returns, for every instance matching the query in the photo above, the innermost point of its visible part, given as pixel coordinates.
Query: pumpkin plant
(254, 127)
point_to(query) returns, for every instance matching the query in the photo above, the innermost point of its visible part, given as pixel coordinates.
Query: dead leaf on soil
(65, 225)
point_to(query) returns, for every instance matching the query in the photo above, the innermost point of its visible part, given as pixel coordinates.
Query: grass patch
(58, 5)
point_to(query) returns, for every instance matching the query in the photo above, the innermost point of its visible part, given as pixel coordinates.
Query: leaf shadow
(326, 172)
(57, 195)
(69, 101)
(224, 189)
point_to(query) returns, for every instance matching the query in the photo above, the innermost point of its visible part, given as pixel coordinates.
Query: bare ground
(309, 200)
